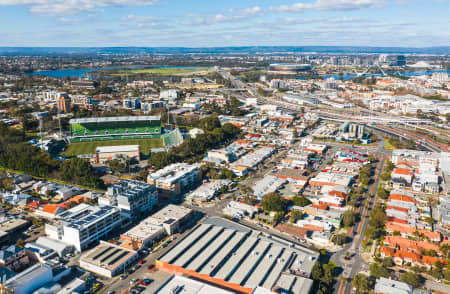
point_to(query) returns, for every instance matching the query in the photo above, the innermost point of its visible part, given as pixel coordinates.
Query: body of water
(83, 72)
(74, 73)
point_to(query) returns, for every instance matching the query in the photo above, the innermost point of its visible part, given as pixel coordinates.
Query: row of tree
(17, 155)
(215, 135)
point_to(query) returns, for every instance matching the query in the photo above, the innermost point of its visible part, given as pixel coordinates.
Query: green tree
(295, 216)
(348, 218)
(7, 184)
(300, 201)
(410, 278)
(378, 271)
(317, 272)
(361, 282)
(340, 239)
(159, 159)
(371, 158)
(117, 166)
(209, 123)
(79, 171)
(226, 174)
(445, 249)
(382, 193)
(273, 202)
(388, 262)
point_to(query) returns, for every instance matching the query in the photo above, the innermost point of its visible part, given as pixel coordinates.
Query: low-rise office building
(83, 224)
(167, 221)
(175, 179)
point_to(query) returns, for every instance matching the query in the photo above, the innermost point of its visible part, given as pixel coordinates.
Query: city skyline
(156, 23)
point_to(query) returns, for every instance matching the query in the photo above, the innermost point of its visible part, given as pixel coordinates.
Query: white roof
(113, 119)
(121, 148)
(188, 286)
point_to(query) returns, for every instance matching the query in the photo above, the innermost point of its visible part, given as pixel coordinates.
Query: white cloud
(331, 5)
(232, 15)
(73, 7)
(140, 19)
(294, 20)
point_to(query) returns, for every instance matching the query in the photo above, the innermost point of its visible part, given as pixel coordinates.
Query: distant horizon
(52, 50)
(236, 46)
(205, 23)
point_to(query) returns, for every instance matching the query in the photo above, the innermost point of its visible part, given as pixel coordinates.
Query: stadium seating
(110, 129)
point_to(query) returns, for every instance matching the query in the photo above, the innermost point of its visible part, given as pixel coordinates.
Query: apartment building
(83, 224)
(175, 179)
(133, 198)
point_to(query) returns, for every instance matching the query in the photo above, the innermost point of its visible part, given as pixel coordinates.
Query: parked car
(123, 277)
(145, 282)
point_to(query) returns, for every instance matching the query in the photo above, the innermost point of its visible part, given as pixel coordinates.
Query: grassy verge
(78, 148)
(166, 70)
(388, 145)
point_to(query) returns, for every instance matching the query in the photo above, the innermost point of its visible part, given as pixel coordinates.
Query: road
(440, 287)
(357, 264)
(157, 277)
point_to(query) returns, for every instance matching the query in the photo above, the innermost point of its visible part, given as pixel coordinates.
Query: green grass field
(165, 70)
(89, 147)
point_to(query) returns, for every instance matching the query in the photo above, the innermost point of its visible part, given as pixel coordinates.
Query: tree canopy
(273, 202)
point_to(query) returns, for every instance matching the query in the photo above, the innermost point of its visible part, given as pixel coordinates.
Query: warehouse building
(237, 259)
(208, 191)
(179, 284)
(108, 260)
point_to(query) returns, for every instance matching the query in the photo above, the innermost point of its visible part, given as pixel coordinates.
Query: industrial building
(179, 284)
(108, 260)
(83, 224)
(267, 185)
(107, 153)
(208, 191)
(175, 179)
(236, 258)
(35, 277)
(133, 198)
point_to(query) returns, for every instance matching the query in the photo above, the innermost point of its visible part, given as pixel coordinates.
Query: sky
(216, 23)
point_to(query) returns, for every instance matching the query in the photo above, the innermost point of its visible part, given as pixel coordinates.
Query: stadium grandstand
(173, 138)
(115, 128)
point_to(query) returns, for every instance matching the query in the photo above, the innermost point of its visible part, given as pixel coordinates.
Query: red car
(142, 261)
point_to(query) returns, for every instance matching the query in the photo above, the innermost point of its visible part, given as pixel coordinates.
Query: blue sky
(203, 23)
